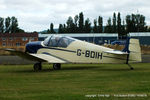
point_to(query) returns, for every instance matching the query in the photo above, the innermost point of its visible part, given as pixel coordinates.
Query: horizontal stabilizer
(116, 52)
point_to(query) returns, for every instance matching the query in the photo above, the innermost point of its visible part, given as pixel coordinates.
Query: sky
(36, 15)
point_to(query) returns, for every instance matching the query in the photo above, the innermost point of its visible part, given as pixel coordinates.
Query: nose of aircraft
(32, 47)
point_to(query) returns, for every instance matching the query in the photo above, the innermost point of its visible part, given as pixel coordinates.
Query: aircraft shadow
(80, 68)
(97, 68)
(52, 70)
(84, 67)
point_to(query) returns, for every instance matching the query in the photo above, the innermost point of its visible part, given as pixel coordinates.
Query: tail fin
(134, 50)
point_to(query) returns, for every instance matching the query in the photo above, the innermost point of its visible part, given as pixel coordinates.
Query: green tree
(136, 23)
(123, 28)
(64, 28)
(76, 19)
(14, 24)
(81, 22)
(108, 28)
(114, 23)
(100, 24)
(87, 28)
(60, 30)
(8, 25)
(119, 24)
(133, 22)
(20, 30)
(70, 25)
(1, 25)
(129, 24)
(52, 28)
(95, 30)
(142, 24)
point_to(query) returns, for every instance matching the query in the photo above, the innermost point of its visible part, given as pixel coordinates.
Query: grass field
(75, 82)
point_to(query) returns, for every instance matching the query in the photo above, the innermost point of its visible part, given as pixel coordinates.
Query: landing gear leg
(37, 66)
(127, 62)
(57, 66)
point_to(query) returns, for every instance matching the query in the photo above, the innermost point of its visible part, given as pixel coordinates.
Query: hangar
(144, 37)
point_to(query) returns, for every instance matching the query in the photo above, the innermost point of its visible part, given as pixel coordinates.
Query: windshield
(57, 41)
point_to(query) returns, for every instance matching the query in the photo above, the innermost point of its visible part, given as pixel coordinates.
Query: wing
(48, 58)
(37, 57)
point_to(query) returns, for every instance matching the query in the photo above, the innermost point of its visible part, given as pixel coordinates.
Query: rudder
(134, 50)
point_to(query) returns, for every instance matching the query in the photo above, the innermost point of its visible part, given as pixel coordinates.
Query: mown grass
(74, 82)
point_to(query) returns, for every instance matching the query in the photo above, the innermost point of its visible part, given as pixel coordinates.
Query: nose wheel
(57, 66)
(37, 66)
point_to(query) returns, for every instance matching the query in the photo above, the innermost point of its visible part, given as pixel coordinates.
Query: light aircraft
(58, 49)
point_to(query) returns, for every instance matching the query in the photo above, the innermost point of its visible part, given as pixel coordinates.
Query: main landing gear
(38, 66)
(57, 66)
(127, 62)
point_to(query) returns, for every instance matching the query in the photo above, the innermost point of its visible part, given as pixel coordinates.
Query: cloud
(36, 15)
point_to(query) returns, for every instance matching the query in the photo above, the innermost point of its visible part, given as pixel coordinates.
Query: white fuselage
(83, 52)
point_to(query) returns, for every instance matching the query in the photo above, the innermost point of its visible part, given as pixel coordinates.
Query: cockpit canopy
(58, 41)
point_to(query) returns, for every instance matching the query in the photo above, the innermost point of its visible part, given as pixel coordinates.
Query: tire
(57, 66)
(37, 66)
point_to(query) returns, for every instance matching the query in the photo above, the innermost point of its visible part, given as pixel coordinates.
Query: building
(16, 40)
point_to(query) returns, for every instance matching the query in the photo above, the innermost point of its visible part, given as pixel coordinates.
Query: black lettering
(92, 54)
(87, 53)
(79, 52)
(95, 55)
(100, 55)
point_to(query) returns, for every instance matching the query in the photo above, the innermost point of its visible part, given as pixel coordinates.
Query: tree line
(131, 23)
(9, 25)
(78, 24)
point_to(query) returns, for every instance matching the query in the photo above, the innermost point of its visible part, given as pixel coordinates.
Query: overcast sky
(36, 15)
